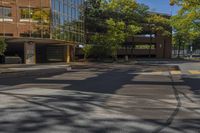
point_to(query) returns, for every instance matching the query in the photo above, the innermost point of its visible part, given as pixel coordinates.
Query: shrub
(87, 50)
(3, 46)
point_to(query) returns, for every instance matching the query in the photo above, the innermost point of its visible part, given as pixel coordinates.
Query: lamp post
(191, 50)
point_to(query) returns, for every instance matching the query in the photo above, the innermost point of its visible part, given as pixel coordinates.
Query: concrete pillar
(29, 53)
(168, 47)
(72, 51)
(68, 54)
(159, 46)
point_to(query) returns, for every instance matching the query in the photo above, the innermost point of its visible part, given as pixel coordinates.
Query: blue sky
(160, 6)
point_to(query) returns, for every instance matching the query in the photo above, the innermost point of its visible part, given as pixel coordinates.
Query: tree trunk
(126, 52)
(85, 57)
(179, 47)
(114, 54)
(184, 50)
(164, 49)
(132, 51)
(150, 45)
(132, 48)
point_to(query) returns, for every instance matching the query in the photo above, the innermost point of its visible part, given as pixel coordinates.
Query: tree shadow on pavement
(84, 105)
(193, 83)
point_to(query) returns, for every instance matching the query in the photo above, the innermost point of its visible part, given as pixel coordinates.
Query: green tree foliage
(186, 23)
(94, 20)
(119, 23)
(112, 23)
(100, 52)
(42, 17)
(2, 46)
(188, 18)
(87, 50)
(115, 35)
(196, 44)
(122, 17)
(158, 24)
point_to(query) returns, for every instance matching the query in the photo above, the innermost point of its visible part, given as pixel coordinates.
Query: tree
(94, 18)
(116, 22)
(185, 3)
(180, 40)
(196, 44)
(101, 48)
(186, 23)
(140, 15)
(188, 18)
(158, 24)
(2, 46)
(86, 50)
(115, 36)
(42, 17)
(119, 23)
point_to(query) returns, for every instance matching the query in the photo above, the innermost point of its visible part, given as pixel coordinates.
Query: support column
(72, 51)
(159, 46)
(68, 54)
(29, 53)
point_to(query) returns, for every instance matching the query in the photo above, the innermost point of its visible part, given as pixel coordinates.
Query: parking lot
(102, 98)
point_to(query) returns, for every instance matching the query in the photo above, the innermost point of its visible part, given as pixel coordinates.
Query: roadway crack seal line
(175, 112)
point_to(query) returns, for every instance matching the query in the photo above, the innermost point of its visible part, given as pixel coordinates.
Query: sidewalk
(38, 69)
(191, 68)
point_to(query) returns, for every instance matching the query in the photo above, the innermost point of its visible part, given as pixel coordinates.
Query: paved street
(103, 98)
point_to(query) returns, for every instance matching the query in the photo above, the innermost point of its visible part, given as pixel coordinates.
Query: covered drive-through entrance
(32, 51)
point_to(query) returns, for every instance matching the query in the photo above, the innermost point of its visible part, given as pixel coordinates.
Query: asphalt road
(102, 98)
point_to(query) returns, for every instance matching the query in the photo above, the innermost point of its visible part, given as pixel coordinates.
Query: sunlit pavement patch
(165, 73)
(190, 72)
(194, 72)
(148, 73)
(175, 72)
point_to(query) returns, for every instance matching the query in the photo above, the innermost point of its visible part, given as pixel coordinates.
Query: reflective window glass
(5, 12)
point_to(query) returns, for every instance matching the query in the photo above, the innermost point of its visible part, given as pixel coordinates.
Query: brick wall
(16, 27)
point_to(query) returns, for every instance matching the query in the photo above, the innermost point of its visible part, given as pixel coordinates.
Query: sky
(161, 6)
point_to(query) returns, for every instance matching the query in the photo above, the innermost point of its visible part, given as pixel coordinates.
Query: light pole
(191, 50)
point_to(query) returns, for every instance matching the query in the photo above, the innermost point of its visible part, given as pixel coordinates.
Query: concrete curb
(37, 72)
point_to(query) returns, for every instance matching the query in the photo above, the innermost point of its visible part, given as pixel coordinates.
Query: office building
(41, 31)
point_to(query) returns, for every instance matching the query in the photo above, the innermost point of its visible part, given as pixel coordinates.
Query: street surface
(103, 98)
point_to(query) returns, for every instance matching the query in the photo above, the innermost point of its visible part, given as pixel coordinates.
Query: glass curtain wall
(25, 18)
(34, 18)
(5, 16)
(54, 19)
(67, 20)
(5, 12)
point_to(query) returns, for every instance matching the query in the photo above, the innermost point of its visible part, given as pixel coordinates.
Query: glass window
(1, 12)
(66, 24)
(26, 13)
(53, 4)
(5, 12)
(65, 9)
(57, 5)
(6, 34)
